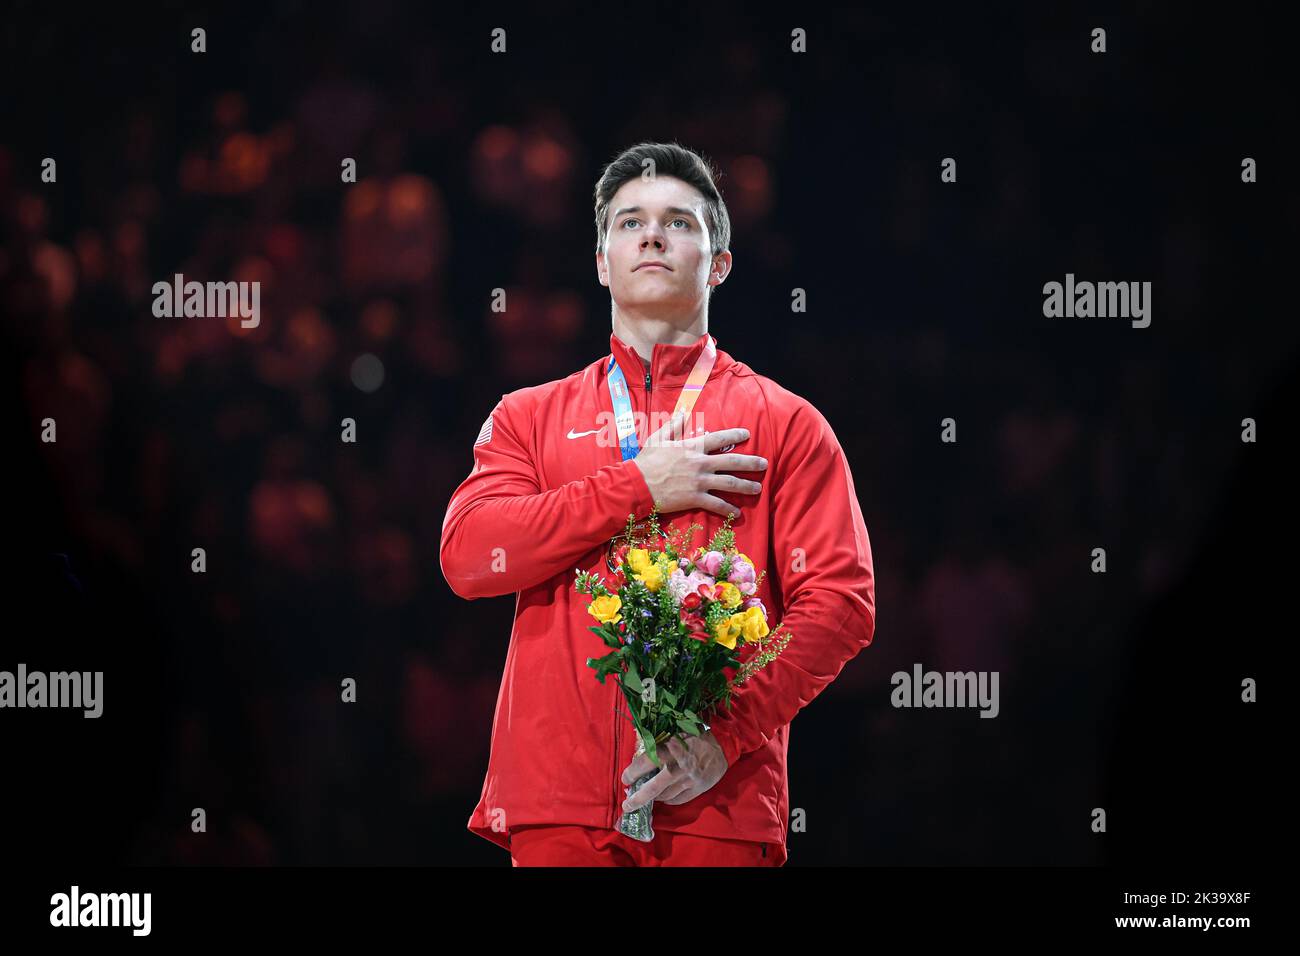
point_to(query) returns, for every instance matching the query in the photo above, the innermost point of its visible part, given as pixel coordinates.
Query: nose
(649, 237)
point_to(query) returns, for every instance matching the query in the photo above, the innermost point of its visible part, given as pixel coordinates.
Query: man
(558, 470)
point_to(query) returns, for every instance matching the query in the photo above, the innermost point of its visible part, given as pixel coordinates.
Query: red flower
(695, 626)
(706, 590)
(692, 601)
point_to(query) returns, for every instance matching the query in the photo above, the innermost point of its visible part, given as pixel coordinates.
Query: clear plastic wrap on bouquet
(638, 823)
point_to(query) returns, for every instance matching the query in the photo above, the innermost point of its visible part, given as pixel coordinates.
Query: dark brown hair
(670, 159)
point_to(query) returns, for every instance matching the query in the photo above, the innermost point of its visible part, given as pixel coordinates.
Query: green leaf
(632, 680)
(605, 665)
(650, 748)
(602, 632)
(669, 697)
(689, 726)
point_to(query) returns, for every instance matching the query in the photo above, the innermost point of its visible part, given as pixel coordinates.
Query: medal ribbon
(624, 419)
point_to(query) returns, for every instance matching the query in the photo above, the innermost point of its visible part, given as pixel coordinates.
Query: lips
(651, 265)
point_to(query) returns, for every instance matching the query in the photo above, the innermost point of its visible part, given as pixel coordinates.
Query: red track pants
(572, 845)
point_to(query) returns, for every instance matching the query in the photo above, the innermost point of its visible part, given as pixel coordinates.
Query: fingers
(639, 767)
(642, 765)
(679, 794)
(741, 486)
(687, 766)
(735, 463)
(716, 505)
(657, 785)
(675, 783)
(715, 440)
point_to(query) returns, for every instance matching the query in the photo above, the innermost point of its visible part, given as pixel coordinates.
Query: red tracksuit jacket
(543, 499)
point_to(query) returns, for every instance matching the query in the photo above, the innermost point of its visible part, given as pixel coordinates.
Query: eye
(626, 221)
(687, 221)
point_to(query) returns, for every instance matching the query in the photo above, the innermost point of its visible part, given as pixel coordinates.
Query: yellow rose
(606, 609)
(754, 625)
(652, 576)
(730, 595)
(727, 630)
(638, 559)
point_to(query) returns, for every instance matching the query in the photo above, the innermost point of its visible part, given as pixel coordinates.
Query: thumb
(672, 429)
(665, 433)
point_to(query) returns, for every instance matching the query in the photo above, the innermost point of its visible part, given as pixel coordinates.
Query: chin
(639, 297)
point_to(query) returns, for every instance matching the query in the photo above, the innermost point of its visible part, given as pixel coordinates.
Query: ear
(721, 268)
(602, 269)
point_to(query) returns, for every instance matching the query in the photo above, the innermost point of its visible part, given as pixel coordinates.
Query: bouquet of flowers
(676, 622)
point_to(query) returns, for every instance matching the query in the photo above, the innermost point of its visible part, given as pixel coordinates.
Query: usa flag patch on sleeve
(485, 433)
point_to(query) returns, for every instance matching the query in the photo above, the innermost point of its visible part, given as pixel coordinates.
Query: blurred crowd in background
(474, 174)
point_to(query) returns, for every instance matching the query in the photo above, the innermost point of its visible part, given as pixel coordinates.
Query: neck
(643, 332)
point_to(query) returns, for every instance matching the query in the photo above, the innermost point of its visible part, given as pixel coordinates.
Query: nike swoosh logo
(581, 434)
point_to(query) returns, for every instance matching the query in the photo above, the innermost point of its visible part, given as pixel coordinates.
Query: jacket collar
(670, 365)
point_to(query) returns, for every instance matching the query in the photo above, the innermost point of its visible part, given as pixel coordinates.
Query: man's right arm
(503, 534)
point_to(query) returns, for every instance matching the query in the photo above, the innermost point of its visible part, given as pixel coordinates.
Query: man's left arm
(823, 566)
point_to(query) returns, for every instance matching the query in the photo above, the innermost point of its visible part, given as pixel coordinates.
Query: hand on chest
(583, 436)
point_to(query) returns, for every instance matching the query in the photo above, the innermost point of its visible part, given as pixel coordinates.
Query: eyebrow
(678, 210)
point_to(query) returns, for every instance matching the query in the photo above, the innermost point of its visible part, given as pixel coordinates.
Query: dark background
(475, 171)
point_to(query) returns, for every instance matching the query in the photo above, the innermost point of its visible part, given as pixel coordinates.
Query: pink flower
(742, 572)
(681, 584)
(710, 563)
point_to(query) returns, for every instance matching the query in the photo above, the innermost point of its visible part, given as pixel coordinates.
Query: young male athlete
(557, 470)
